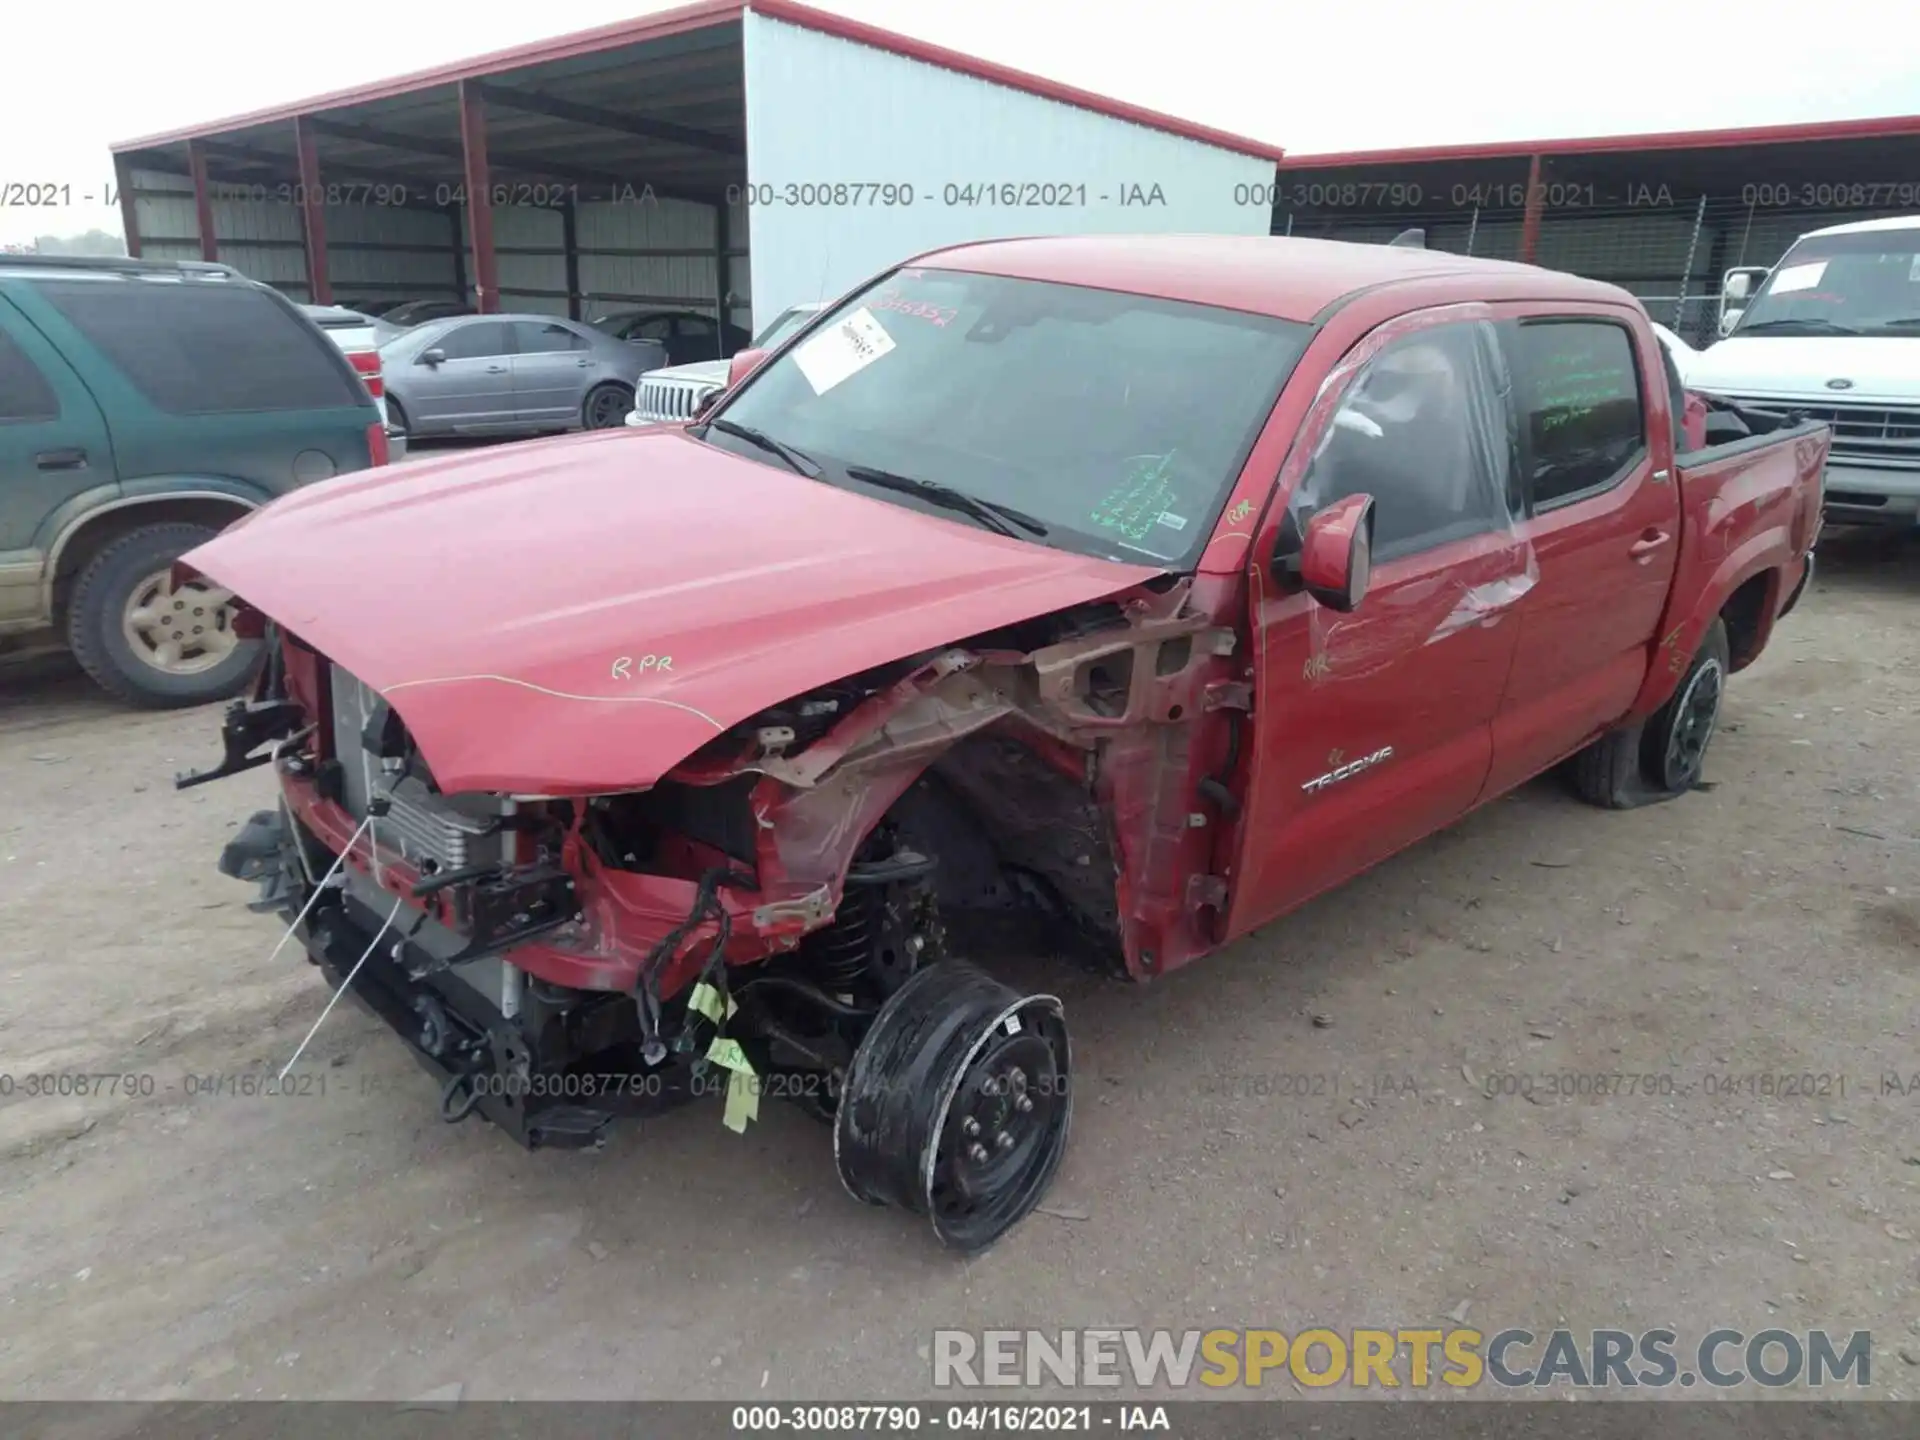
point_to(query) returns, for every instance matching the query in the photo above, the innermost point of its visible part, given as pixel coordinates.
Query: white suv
(674, 394)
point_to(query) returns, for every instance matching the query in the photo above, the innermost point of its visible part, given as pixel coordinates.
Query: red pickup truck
(1128, 590)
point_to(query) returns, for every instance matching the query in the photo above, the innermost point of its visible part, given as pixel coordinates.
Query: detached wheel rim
(179, 630)
(606, 409)
(957, 1104)
(1000, 1126)
(1695, 715)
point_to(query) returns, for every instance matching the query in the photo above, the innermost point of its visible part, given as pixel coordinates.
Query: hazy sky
(1308, 77)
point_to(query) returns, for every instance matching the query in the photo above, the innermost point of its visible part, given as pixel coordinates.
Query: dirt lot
(352, 1245)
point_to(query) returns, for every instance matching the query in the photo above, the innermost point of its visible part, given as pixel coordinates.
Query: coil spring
(844, 950)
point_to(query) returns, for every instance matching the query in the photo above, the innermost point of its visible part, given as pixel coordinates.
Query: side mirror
(707, 401)
(1735, 286)
(435, 356)
(743, 363)
(1336, 553)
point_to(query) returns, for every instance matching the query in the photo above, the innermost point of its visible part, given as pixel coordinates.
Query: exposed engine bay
(777, 916)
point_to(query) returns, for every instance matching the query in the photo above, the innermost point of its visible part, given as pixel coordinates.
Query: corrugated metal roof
(1885, 127)
(699, 16)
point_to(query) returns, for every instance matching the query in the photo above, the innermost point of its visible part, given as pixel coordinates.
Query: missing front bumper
(520, 1073)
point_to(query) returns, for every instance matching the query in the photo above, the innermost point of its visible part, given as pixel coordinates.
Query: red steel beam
(202, 201)
(313, 213)
(129, 214)
(1530, 224)
(473, 144)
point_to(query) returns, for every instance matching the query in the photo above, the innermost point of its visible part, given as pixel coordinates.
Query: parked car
(360, 337)
(509, 375)
(143, 406)
(418, 312)
(676, 392)
(1833, 332)
(351, 328)
(687, 335)
(1140, 588)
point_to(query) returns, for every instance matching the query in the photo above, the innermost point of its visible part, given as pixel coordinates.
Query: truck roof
(1891, 222)
(1292, 279)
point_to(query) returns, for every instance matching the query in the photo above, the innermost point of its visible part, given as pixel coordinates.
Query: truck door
(1373, 729)
(53, 447)
(1602, 515)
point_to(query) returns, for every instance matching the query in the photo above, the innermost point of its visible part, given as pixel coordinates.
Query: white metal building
(732, 155)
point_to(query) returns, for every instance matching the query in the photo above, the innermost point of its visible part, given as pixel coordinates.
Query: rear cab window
(1578, 389)
(206, 348)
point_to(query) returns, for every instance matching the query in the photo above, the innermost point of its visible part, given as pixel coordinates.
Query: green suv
(144, 405)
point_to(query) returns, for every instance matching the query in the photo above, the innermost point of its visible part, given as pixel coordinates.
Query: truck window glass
(537, 339)
(1866, 281)
(24, 391)
(1579, 391)
(1119, 421)
(1425, 429)
(478, 341)
(207, 348)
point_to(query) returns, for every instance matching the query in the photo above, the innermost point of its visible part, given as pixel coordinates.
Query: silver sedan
(511, 375)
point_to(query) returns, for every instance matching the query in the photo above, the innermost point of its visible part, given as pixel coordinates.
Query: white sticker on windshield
(1173, 521)
(842, 350)
(1913, 270)
(1799, 277)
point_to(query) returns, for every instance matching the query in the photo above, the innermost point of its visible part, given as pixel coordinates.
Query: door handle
(74, 459)
(1644, 547)
(583, 364)
(496, 369)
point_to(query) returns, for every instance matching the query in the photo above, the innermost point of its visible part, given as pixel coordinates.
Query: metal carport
(1662, 215)
(634, 163)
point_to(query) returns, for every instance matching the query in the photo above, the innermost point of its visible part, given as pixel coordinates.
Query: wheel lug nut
(1003, 1140)
(1023, 1102)
(977, 1153)
(972, 1127)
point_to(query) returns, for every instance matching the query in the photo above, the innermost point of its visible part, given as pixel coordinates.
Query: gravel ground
(352, 1246)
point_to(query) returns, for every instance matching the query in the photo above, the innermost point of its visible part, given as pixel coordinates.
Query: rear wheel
(1673, 750)
(148, 641)
(1665, 755)
(606, 406)
(957, 1104)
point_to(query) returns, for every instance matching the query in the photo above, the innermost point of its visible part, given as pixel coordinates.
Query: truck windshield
(1117, 421)
(1865, 283)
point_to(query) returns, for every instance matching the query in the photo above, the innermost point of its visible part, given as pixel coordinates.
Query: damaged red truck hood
(577, 616)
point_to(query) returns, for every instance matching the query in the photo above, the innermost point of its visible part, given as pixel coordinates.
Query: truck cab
(1833, 332)
(1121, 592)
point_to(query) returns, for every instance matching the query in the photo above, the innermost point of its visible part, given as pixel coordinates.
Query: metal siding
(529, 250)
(262, 239)
(825, 110)
(611, 281)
